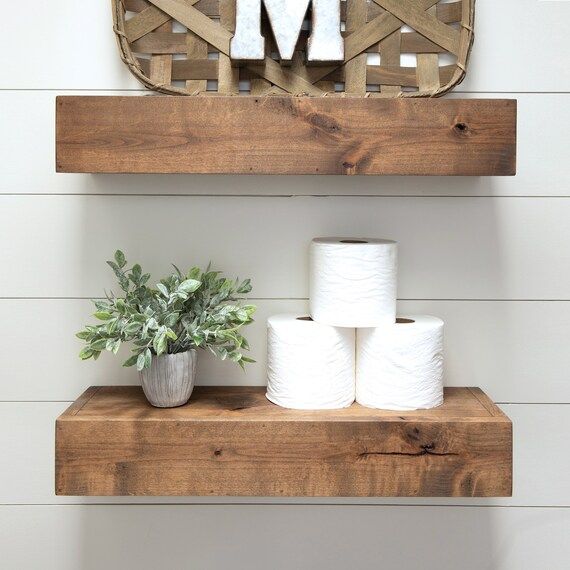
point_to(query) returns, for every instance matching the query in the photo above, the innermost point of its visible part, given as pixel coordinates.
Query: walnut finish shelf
(231, 441)
(285, 135)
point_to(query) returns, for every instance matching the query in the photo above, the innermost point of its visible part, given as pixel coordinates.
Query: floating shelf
(231, 441)
(286, 135)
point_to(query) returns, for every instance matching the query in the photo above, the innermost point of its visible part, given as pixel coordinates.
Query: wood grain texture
(324, 136)
(540, 471)
(231, 441)
(355, 69)
(29, 155)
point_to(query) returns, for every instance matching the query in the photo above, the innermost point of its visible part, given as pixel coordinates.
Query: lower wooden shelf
(286, 135)
(231, 441)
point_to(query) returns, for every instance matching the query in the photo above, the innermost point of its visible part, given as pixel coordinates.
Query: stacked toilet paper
(310, 365)
(352, 345)
(400, 367)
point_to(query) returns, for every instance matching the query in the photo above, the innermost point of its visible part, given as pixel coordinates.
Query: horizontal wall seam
(263, 504)
(292, 196)
(221, 195)
(260, 385)
(255, 299)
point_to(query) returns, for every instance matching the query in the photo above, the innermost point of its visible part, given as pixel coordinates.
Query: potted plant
(167, 324)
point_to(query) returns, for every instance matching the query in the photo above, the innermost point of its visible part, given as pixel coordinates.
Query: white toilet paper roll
(353, 281)
(400, 366)
(309, 365)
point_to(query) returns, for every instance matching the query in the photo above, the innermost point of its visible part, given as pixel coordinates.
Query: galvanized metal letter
(286, 18)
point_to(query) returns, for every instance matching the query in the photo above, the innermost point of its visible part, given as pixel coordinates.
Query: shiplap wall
(490, 256)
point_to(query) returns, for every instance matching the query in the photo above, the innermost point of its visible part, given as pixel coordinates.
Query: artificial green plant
(196, 309)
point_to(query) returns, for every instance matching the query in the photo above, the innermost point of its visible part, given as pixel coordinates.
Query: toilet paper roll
(353, 281)
(309, 365)
(400, 366)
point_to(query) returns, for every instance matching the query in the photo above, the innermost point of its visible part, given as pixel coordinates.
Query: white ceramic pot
(170, 379)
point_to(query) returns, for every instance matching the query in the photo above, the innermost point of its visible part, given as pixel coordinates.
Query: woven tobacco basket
(181, 47)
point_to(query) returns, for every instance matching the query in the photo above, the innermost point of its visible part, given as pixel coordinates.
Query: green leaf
(250, 309)
(235, 356)
(83, 335)
(99, 344)
(131, 361)
(171, 319)
(162, 288)
(123, 281)
(112, 326)
(116, 269)
(103, 315)
(193, 273)
(147, 358)
(102, 305)
(245, 286)
(242, 315)
(120, 258)
(159, 344)
(132, 328)
(85, 353)
(189, 286)
(197, 339)
(113, 345)
(140, 361)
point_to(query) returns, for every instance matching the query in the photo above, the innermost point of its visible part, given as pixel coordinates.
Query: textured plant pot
(170, 379)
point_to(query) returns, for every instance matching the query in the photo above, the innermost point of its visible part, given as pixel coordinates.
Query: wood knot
(217, 452)
(324, 123)
(461, 128)
(414, 433)
(287, 105)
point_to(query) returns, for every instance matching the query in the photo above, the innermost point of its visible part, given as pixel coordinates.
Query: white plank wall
(449, 248)
(491, 256)
(503, 347)
(281, 537)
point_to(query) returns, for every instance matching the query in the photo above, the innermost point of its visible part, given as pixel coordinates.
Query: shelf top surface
(248, 403)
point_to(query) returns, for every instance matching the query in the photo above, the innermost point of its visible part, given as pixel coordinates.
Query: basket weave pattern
(182, 47)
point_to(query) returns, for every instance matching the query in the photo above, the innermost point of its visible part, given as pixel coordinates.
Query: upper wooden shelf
(231, 441)
(286, 135)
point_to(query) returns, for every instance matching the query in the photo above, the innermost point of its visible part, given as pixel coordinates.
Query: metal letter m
(286, 19)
